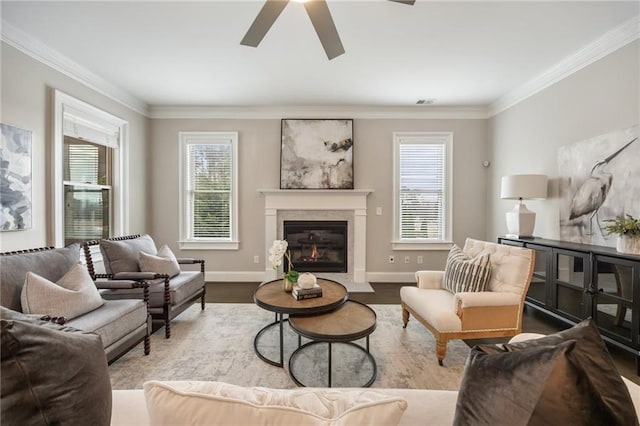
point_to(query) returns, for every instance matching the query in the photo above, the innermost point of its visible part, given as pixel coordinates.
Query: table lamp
(521, 220)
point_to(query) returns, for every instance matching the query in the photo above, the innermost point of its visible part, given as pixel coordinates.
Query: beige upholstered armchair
(494, 312)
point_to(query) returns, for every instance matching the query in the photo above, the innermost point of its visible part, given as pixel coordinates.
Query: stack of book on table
(306, 293)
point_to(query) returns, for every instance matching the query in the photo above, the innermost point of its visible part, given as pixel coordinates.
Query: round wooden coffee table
(272, 297)
(349, 322)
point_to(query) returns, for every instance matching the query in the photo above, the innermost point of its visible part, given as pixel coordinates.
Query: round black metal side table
(349, 322)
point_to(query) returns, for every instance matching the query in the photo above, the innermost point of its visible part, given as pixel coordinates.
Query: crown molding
(611, 41)
(59, 62)
(603, 46)
(359, 112)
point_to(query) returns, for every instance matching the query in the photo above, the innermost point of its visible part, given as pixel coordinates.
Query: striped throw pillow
(463, 273)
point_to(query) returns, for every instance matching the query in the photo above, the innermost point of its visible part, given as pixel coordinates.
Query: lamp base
(520, 221)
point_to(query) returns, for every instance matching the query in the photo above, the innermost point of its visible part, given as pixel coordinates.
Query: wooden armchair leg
(147, 345)
(167, 323)
(441, 350)
(405, 317)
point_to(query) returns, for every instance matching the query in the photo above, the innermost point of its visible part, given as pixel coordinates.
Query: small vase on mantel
(628, 244)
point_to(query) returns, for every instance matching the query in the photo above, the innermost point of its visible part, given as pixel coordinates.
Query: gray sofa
(168, 296)
(121, 324)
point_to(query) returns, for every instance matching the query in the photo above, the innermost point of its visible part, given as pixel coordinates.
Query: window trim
(120, 180)
(186, 241)
(445, 138)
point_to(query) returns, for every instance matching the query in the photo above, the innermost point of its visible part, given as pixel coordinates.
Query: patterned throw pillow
(463, 273)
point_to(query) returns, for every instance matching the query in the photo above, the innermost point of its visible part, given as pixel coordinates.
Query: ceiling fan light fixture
(319, 14)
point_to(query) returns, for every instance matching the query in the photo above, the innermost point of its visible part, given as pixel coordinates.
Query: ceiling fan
(319, 14)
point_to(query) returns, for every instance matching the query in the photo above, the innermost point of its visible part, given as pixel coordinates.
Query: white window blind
(422, 209)
(422, 191)
(209, 190)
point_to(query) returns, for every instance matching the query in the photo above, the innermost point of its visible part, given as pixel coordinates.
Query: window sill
(209, 245)
(421, 245)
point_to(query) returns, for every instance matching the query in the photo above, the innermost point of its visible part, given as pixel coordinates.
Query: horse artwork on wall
(316, 154)
(599, 180)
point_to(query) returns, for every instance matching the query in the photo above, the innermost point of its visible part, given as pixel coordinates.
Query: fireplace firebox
(317, 245)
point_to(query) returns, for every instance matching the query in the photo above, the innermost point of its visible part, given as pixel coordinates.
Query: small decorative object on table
(628, 231)
(277, 251)
(307, 287)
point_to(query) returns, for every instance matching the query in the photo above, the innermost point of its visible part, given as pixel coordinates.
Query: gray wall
(259, 168)
(601, 98)
(27, 102)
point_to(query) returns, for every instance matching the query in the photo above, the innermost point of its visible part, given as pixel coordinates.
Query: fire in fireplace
(317, 245)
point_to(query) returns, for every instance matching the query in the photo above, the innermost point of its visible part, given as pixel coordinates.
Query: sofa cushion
(164, 262)
(114, 320)
(50, 264)
(597, 381)
(52, 374)
(181, 287)
(436, 306)
(216, 403)
(73, 295)
(122, 255)
(506, 388)
(463, 273)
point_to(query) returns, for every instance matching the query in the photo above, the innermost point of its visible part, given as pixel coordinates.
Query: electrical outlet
(392, 259)
(420, 259)
(378, 211)
(407, 259)
(256, 259)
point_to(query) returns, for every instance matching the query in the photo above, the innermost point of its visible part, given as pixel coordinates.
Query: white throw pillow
(215, 403)
(73, 295)
(164, 262)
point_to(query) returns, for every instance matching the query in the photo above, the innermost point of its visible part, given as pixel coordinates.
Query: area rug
(217, 344)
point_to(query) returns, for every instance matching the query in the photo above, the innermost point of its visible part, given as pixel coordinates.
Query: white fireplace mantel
(318, 199)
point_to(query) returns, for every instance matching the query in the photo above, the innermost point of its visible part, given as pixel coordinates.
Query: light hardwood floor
(389, 293)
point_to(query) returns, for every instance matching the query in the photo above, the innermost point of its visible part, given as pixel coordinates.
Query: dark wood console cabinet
(573, 281)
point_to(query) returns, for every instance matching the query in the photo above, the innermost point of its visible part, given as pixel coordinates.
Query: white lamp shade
(524, 186)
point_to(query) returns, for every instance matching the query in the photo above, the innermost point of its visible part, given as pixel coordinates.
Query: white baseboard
(258, 276)
(391, 277)
(234, 276)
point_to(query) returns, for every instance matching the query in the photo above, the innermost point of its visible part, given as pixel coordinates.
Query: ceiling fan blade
(265, 19)
(409, 2)
(322, 21)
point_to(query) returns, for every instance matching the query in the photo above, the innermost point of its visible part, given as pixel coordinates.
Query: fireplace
(317, 245)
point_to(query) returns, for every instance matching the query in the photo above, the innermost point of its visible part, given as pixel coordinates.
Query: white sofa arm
(429, 279)
(485, 298)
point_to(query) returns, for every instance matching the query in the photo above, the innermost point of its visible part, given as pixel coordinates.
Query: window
(422, 190)
(208, 197)
(89, 176)
(87, 190)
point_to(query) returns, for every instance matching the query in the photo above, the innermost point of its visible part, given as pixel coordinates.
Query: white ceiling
(176, 53)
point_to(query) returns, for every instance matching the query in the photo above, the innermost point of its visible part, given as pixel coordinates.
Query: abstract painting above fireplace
(317, 245)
